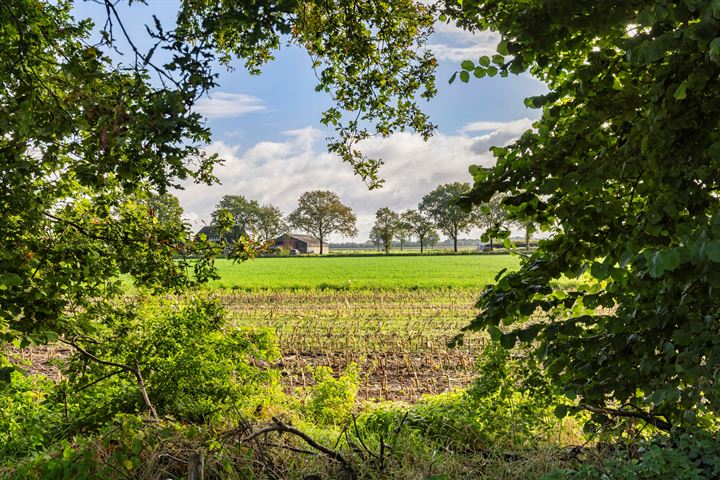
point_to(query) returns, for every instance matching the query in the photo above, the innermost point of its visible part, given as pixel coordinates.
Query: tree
(403, 231)
(376, 238)
(244, 213)
(83, 137)
(432, 239)
(491, 216)
(440, 205)
(321, 213)
(386, 225)
(269, 222)
(165, 207)
(419, 225)
(84, 144)
(622, 168)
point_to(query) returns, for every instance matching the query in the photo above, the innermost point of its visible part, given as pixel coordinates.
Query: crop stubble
(398, 339)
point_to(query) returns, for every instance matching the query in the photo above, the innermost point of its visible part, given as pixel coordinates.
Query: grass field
(378, 273)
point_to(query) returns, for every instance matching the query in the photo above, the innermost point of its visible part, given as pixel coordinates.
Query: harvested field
(398, 339)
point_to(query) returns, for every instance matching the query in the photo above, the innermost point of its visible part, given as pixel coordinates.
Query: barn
(301, 243)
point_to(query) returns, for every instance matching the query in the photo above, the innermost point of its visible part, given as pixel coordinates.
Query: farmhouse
(301, 243)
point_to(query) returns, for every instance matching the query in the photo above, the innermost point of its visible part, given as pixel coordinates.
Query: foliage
(332, 399)
(28, 411)
(244, 212)
(491, 216)
(440, 205)
(386, 226)
(82, 144)
(321, 213)
(511, 403)
(622, 169)
(166, 208)
(685, 456)
(370, 57)
(192, 363)
(269, 222)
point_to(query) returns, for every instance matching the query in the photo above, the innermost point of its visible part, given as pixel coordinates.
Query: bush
(331, 400)
(688, 456)
(27, 411)
(193, 364)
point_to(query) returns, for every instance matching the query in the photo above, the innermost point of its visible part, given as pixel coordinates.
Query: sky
(267, 128)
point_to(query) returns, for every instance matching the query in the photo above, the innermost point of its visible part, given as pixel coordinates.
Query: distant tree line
(320, 213)
(438, 210)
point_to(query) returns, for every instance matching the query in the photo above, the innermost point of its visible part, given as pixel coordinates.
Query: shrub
(687, 456)
(331, 400)
(27, 412)
(193, 364)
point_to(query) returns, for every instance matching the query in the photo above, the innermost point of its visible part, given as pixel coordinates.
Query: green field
(349, 273)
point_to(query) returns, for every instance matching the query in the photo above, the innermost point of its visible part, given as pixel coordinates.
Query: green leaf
(528, 334)
(484, 61)
(508, 340)
(712, 250)
(681, 92)
(479, 72)
(452, 78)
(561, 411)
(10, 280)
(502, 47)
(495, 332)
(492, 71)
(464, 76)
(468, 65)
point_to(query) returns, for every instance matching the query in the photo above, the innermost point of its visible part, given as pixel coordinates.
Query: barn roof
(298, 236)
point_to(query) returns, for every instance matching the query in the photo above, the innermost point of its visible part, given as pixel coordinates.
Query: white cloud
(455, 44)
(278, 172)
(516, 125)
(498, 134)
(228, 105)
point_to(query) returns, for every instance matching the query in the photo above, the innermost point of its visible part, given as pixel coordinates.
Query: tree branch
(647, 417)
(280, 427)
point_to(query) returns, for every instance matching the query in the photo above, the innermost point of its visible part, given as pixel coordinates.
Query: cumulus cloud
(455, 44)
(498, 134)
(278, 172)
(228, 105)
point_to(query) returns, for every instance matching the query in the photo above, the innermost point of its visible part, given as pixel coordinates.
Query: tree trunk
(421, 246)
(455, 244)
(321, 246)
(491, 244)
(527, 239)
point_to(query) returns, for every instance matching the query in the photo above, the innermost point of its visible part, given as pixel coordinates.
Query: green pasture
(348, 273)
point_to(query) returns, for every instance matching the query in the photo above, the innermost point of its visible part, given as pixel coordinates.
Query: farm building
(301, 243)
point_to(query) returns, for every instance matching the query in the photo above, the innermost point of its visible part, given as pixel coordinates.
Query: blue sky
(268, 130)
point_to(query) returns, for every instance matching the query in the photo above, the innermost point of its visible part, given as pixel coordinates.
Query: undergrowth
(210, 389)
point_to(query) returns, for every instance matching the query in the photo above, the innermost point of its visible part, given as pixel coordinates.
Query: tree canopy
(419, 225)
(441, 206)
(386, 226)
(321, 213)
(622, 169)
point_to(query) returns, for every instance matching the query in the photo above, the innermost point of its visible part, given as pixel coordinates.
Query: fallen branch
(280, 427)
(647, 417)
